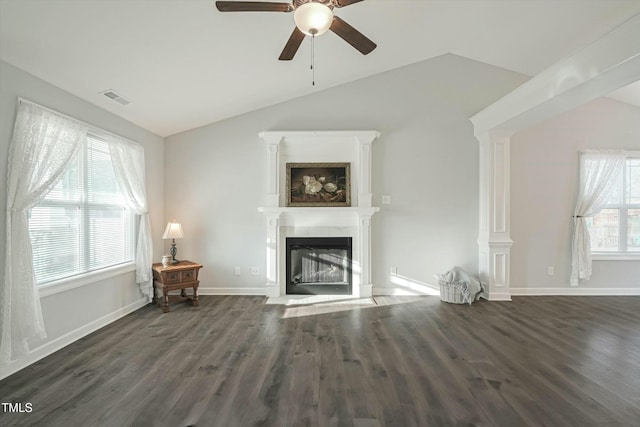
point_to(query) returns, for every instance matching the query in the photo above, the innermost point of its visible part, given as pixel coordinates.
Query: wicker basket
(451, 293)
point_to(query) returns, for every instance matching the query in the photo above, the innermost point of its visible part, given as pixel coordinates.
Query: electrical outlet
(551, 271)
(255, 271)
(386, 199)
(394, 271)
(237, 271)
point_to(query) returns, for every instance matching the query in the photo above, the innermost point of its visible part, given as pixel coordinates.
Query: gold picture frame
(319, 184)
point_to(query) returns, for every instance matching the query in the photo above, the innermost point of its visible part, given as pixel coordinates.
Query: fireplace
(343, 268)
(319, 265)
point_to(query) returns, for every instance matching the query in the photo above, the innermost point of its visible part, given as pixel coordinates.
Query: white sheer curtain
(129, 166)
(44, 144)
(599, 174)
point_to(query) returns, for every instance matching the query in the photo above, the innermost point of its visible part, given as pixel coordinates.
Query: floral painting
(318, 184)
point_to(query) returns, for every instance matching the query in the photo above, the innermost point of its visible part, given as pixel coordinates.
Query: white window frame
(620, 255)
(86, 277)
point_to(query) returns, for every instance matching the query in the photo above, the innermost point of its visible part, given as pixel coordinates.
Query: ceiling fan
(312, 18)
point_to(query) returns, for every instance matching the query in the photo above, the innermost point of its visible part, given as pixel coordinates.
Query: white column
(364, 180)
(364, 251)
(273, 263)
(494, 240)
(273, 168)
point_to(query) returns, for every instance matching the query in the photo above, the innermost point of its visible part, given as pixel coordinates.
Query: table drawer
(188, 275)
(173, 277)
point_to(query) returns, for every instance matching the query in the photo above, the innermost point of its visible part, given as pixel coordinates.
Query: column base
(366, 290)
(272, 290)
(496, 296)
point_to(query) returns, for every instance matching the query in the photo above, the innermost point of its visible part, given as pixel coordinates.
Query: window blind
(83, 223)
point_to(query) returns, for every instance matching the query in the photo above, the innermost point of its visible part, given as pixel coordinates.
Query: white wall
(426, 159)
(73, 313)
(544, 180)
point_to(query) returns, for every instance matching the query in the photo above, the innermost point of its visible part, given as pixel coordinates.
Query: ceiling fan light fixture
(313, 19)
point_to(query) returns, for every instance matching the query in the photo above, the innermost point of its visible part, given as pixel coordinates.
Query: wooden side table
(180, 276)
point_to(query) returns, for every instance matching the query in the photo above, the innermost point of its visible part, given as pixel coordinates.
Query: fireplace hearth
(319, 265)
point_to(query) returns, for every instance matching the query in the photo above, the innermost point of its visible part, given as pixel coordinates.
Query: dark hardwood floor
(407, 361)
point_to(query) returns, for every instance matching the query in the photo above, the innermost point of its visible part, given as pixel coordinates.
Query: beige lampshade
(173, 231)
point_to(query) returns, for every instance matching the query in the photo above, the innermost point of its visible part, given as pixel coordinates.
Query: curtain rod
(92, 128)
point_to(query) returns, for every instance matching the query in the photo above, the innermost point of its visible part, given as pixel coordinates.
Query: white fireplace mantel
(317, 217)
(353, 147)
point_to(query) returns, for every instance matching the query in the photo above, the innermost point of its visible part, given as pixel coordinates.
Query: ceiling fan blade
(352, 36)
(292, 45)
(343, 3)
(253, 6)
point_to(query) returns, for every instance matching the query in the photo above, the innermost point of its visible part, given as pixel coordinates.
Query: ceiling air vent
(112, 94)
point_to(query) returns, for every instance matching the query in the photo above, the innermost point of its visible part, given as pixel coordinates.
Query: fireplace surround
(353, 222)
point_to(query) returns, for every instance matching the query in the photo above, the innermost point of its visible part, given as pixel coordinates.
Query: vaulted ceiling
(183, 64)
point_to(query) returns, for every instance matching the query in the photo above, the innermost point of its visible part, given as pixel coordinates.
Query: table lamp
(173, 232)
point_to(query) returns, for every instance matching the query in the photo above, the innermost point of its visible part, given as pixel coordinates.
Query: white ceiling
(183, 64)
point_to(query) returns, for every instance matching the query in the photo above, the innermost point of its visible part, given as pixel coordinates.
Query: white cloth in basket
(467, 285)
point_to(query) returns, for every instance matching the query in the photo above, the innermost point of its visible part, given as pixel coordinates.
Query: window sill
(69, 283)
(615, 257)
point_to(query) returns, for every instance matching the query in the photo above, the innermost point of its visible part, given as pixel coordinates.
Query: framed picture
(318, 184)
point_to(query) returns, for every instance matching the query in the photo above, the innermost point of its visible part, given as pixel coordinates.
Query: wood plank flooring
(406, 361)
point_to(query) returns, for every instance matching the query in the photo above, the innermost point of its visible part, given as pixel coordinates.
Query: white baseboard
(498, 296)
(575, 291)
(69, 338)
(232, 291)
(541, 291)
(402, 291)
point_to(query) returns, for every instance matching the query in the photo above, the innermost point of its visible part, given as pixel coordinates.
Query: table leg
(165, 301)
(154, 300)
(194, 300)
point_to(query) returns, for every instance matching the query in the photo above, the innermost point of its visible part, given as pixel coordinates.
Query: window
(616, 228)
(83, 224)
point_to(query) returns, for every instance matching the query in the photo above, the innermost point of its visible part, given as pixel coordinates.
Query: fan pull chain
(313, 69)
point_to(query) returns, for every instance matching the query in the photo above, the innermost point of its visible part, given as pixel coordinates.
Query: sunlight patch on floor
(310, 305)
(314, 299)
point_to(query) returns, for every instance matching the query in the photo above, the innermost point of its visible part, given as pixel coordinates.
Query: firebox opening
(319, 265)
